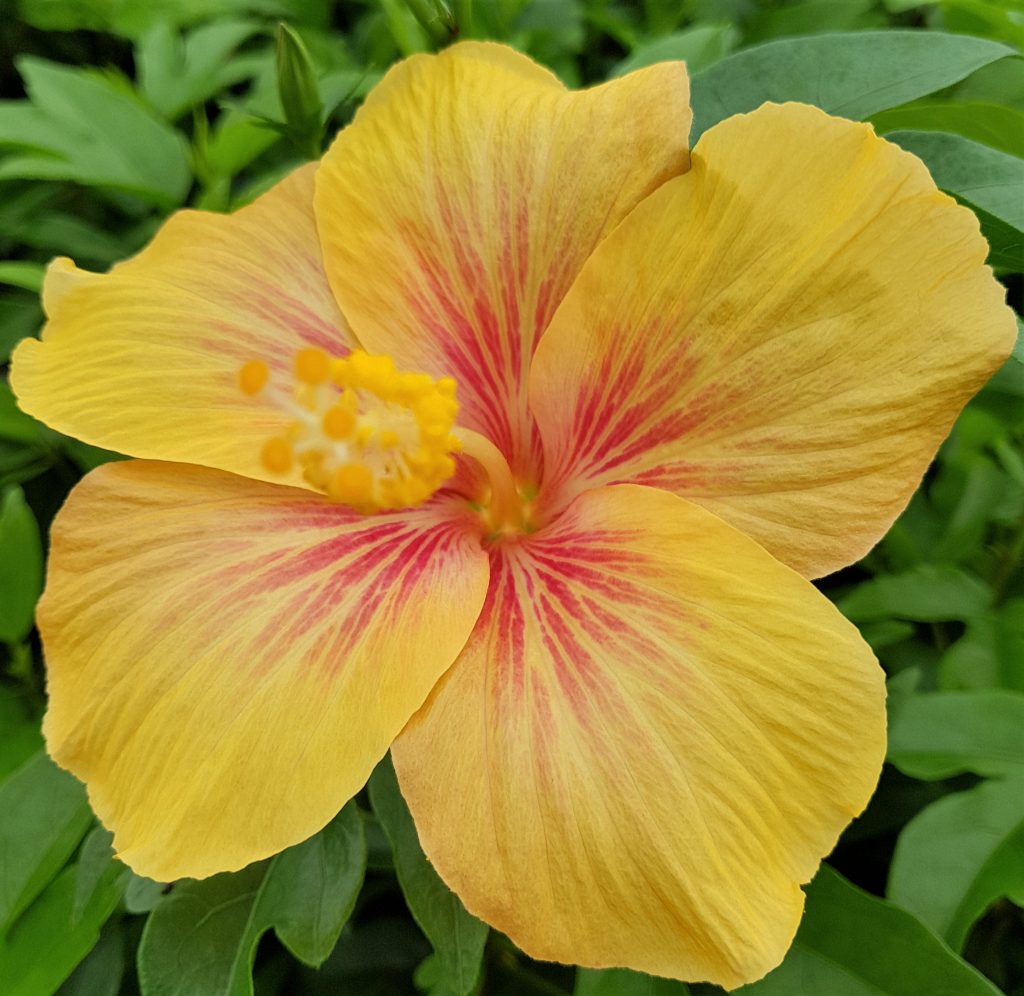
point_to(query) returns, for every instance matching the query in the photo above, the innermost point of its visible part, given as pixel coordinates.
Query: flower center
(364, 433)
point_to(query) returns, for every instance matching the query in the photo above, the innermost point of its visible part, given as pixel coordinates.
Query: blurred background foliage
(117, 112)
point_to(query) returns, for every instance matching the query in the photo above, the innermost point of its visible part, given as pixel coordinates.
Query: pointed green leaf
(457, 936)
(87, 129)
(46, 944)
(959, 855)
(851, 74)
(177, 72)
(43, 815)
(101, 972)
(852, 944)
(314, 887)
(96, 868)
(202, 937)
(990, 124)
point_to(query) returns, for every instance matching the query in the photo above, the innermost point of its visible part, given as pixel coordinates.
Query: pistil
(505, 505)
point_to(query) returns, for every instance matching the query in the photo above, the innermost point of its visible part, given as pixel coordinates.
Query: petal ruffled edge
(145, 360)
(785, 334)
(652, 738)
(227, 660)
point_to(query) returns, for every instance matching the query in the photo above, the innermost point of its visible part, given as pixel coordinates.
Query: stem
(463, 11)
(506, 508)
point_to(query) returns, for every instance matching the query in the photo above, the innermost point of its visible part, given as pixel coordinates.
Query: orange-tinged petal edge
(653, 736)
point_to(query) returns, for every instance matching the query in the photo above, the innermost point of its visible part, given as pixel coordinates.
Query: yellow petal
(227, 659)
(652, 737)
(785, 335)
(459, 206)
(145, 360)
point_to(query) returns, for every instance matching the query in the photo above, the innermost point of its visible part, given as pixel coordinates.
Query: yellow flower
(671, 392)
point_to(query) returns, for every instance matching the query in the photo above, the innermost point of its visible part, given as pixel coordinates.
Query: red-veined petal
(145, 360)
(227, 659)
(458, 207)
(653, 736)
(785, 335)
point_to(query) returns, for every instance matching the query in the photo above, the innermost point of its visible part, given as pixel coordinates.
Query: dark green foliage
(116, 114)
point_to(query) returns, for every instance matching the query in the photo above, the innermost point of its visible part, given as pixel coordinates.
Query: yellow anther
(351, 483)
(277, 455)
(413, 385)
(339, 369)
(365, 433)
(339, 421)
(374, 373)
(312, 365)
(253, 377)
(434, 409)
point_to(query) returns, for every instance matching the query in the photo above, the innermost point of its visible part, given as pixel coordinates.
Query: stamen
(277, 456)
(252, 378)
(312, 365)
(364, 433)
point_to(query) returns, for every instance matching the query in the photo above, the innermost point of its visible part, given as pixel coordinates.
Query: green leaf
(623, 982)
(313, 887)
(990, 124)
(21, 566)
(959, 855)
(940, 734)
(812, 17)
(96, 865)
(20, 317)
(101, 972)
(924, 594)
(46, 944)
(990, 654)
(977, 174)
(43, 815)
(851, 944)
(239, 134)
(852, 74)
(142, 895)
(202, 938)
(1001, 82)
(20, 737)
(989, 20)
(84, 127)
(1005, 243)
(698, 47)
(28, 276)
(457, 936)
(176, 73)
(15, 425)
(886, 633)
